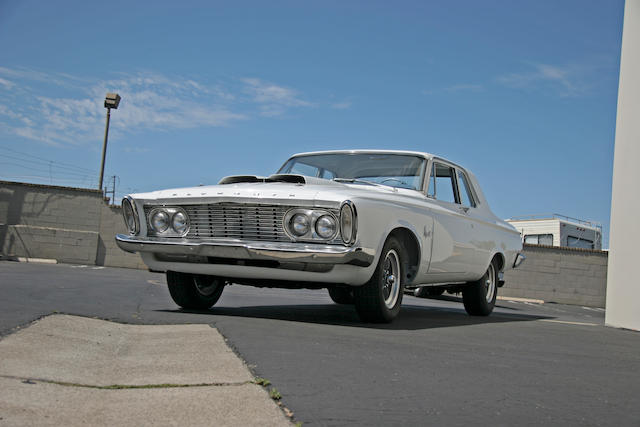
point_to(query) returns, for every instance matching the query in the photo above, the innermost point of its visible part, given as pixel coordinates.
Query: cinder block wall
(68, 224)
(76, 226)
(109, 254)
(562, 275)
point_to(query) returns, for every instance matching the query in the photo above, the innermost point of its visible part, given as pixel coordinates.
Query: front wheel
(379, 300)
(341, 295)
(479, 297)
(194, 291)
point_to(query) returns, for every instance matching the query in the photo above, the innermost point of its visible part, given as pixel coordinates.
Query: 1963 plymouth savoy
(365, 224)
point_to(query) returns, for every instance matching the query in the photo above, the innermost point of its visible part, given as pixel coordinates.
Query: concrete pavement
(69, 370)
(526, 364)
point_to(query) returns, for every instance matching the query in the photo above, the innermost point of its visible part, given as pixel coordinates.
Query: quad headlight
(300, 224)
(326, 226)
(322, 225)
(159, 221)
(310, 224)
(168, 221)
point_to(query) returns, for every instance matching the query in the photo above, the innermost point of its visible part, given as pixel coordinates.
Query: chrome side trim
(519, 259)
(283, 252)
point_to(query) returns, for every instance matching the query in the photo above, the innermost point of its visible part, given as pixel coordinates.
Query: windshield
(394, 170)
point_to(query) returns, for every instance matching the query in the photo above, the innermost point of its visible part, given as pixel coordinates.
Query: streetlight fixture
(111, 101)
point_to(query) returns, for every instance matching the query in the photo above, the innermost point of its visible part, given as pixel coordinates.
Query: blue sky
(523, 93)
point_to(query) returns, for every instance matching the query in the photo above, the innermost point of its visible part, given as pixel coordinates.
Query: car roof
(426, 155)
(366, 151)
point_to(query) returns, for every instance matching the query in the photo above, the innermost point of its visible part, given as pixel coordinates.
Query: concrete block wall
(77, 226)
(561, 275)
(68, 224)
(109, 254)
(50, 206)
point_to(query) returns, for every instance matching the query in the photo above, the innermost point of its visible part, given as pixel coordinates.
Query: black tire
(427, 292)
(194, 291)
(379, 300)
(341, 295)
(479, 297)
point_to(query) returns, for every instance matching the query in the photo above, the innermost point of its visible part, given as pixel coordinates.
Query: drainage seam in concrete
(123, 386)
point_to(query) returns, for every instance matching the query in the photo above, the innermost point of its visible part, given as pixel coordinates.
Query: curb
(516, 299)
(37, 260)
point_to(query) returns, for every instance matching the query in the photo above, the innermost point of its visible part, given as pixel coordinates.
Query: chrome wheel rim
(490, 283)
(205, 288)
(391, 279)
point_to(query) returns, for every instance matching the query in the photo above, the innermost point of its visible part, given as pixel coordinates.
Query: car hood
(278, 189)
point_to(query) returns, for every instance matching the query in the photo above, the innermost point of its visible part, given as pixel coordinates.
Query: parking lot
(527, 364)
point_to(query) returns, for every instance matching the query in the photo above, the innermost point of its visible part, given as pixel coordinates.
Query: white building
(558, 230)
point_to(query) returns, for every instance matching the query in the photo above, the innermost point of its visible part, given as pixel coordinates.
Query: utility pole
(111, 101)
(113, 194)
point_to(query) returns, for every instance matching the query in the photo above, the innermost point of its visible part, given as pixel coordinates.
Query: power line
(49, 167)
(62, 164)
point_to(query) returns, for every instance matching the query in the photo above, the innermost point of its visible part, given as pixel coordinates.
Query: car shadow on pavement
(411, 317)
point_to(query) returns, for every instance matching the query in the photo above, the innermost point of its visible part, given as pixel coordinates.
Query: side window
(466, 197)
(579, 242)
(539, 239)
(431, 191)
(442, 183)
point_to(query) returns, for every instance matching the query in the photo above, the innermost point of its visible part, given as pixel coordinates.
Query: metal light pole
(111, 101)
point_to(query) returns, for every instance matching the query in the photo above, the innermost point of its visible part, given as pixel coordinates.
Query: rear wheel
(195, 291)
(380, 298)
(479, 297)
(341, 295)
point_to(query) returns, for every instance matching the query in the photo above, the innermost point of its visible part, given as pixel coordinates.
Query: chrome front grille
(237, 221)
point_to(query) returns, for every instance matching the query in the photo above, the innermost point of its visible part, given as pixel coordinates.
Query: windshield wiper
(360, 181)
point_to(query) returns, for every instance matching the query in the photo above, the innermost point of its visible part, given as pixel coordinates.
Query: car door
(452, 250)
(478, 236)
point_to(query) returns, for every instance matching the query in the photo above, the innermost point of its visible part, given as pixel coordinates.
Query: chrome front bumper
(269, 251)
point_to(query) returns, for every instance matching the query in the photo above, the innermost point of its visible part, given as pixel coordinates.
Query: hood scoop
(289, 178)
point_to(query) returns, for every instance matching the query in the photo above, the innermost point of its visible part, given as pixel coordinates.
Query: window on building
(539, 239)
(577, 242)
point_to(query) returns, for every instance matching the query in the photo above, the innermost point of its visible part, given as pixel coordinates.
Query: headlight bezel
(127, 201)
(348, 206)
(170, 231)
(311, 235)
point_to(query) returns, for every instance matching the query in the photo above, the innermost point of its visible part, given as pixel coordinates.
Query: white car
(365, 224)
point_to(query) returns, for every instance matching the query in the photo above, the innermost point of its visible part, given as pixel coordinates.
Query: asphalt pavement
(526, 364)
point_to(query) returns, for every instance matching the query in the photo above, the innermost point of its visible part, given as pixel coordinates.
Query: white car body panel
(454, 245)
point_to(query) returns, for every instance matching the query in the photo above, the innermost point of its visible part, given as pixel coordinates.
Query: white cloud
(67, 110)
(6, 83)
(344, 105)
(464, 87)
(566, 81)
(150, 101)
(460, 87)
(273, 100)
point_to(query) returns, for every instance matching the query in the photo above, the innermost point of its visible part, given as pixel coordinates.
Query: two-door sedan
(365, 224)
